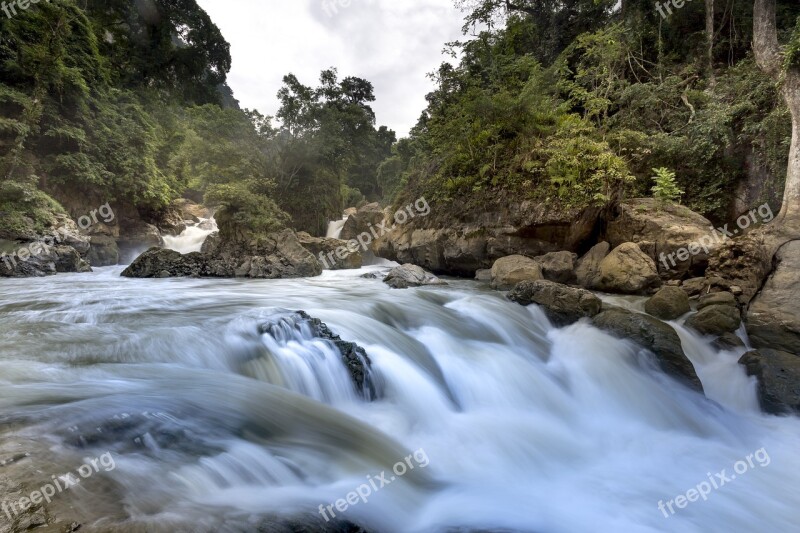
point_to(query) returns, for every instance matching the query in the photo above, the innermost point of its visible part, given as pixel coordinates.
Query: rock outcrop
(665, 230)
(627, 270)
(361, 221)
(406, 276)
(466, 236)
(655, 336)
(563, 305)
(778, 375)
(277, 255)
(773, 319)
(332, 253)
(507, 272)
(668, 303)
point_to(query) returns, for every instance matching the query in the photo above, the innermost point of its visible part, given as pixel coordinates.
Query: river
(511, 424)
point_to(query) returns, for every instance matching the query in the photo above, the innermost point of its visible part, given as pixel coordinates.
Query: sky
(392, 43)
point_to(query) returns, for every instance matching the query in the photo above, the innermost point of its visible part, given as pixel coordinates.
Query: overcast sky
(392, 43)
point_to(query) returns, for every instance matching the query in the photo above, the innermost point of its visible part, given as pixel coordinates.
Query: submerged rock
(563, 305)
(778, 375)
(406, 276)
(654, 335)
(354, 357)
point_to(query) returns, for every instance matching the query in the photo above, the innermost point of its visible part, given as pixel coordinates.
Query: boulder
(558, 266)
(627, 270)
(354, 357)
(728, 341)
(589, 265)
(507, 272)
(668, 303)
(716, 298)
(715, 320)
(694, 286)
(773, 319)
(563, 305)
(778, 375)
(362, 221)
(326, 249)
(67, 259)
(741, 266)
(663, 230)
(103, 251)
(37, 260)
(655, 336)
(172, 221)
(276, 255)
(407, 275)
(484, 274)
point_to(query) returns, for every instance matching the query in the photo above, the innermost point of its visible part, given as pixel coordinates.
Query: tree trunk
(770, 60)
(710, 41)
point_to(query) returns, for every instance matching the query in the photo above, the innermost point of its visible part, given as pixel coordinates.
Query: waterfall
(193, 237)
(335, 228)
(223, 414)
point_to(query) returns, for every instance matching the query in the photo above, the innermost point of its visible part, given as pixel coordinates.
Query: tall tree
(770, 58)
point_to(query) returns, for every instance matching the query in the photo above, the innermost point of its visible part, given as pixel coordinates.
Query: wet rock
(406, 276)
(104, 251)
(563, 305)
(507, 272)
(589, 265)
(778, 375)
(694, 286)
(627, 270)
(668, 303)
(655, 336)
(558, 266)
(728, 341)
(361, 220)
(773, 319)
(716, 298)
(715, 320)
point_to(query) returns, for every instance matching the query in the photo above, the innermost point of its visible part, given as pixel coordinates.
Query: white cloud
(392, 43)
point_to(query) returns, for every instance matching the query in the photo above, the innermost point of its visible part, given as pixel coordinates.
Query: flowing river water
(511, 424)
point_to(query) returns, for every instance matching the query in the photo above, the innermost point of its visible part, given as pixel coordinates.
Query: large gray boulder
(362, 221)
(563, 305)
(655, 336)
(668, 303)
(778, 375)
(589, 265)
(773, 319)
(406, 276)
(665, 230)
(627, 270)
(716, 320)
(558, 266)
(507, 272)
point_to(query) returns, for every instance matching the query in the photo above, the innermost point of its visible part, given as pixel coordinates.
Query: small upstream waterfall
(335, 228)
(192, 238)
(222, 414)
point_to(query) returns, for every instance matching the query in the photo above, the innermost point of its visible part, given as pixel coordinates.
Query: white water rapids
(192, 238)
(215, 427)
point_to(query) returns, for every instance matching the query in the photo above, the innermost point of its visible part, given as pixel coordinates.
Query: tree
(770, 58)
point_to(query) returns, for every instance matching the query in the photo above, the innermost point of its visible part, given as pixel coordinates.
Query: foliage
(666, 189)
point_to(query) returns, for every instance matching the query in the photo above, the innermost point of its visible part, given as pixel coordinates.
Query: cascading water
(192, 238)
(335, 228)
(224, 415)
